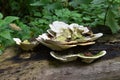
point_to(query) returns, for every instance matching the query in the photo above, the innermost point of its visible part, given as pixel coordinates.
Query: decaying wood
(41, 66)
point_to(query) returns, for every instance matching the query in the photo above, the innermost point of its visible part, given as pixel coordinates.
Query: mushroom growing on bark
(26, 45)
(62, 36)
(72, 57)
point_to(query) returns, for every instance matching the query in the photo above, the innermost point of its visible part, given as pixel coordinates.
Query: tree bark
(42, 66)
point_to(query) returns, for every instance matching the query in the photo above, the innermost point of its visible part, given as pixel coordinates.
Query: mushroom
(26, 45)
(64, 58)
(62, 36)
(71, 57)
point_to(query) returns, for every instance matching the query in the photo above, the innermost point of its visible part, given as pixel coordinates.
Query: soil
(16, 64)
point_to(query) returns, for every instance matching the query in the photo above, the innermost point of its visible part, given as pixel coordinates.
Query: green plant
(5, 31)
(99, 12)
(8, 30)
(40, 13)
(112, 15)
(86, 12)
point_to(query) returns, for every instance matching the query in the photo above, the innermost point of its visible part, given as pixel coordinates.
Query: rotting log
(41, 66)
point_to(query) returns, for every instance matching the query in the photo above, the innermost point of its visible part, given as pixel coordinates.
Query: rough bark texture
(41, 66)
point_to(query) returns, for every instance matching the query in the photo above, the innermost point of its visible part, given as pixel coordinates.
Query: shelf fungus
(26, 45)
(62, 36)
(85, 57)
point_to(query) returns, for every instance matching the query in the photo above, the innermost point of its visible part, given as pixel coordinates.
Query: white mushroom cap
(64, 58)
(80, 27)
(71, 57)
(56, 26)
(43, 36)
(26, 45)
(17, 40)
(85, 29)
(62, 36)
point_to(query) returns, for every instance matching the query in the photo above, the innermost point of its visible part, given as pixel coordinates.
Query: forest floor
(39, 65)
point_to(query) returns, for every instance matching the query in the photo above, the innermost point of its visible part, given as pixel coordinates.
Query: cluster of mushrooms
(62, 36)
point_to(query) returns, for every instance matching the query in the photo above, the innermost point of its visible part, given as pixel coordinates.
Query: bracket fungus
(62, 36)
(72, 57)
(26, 45)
